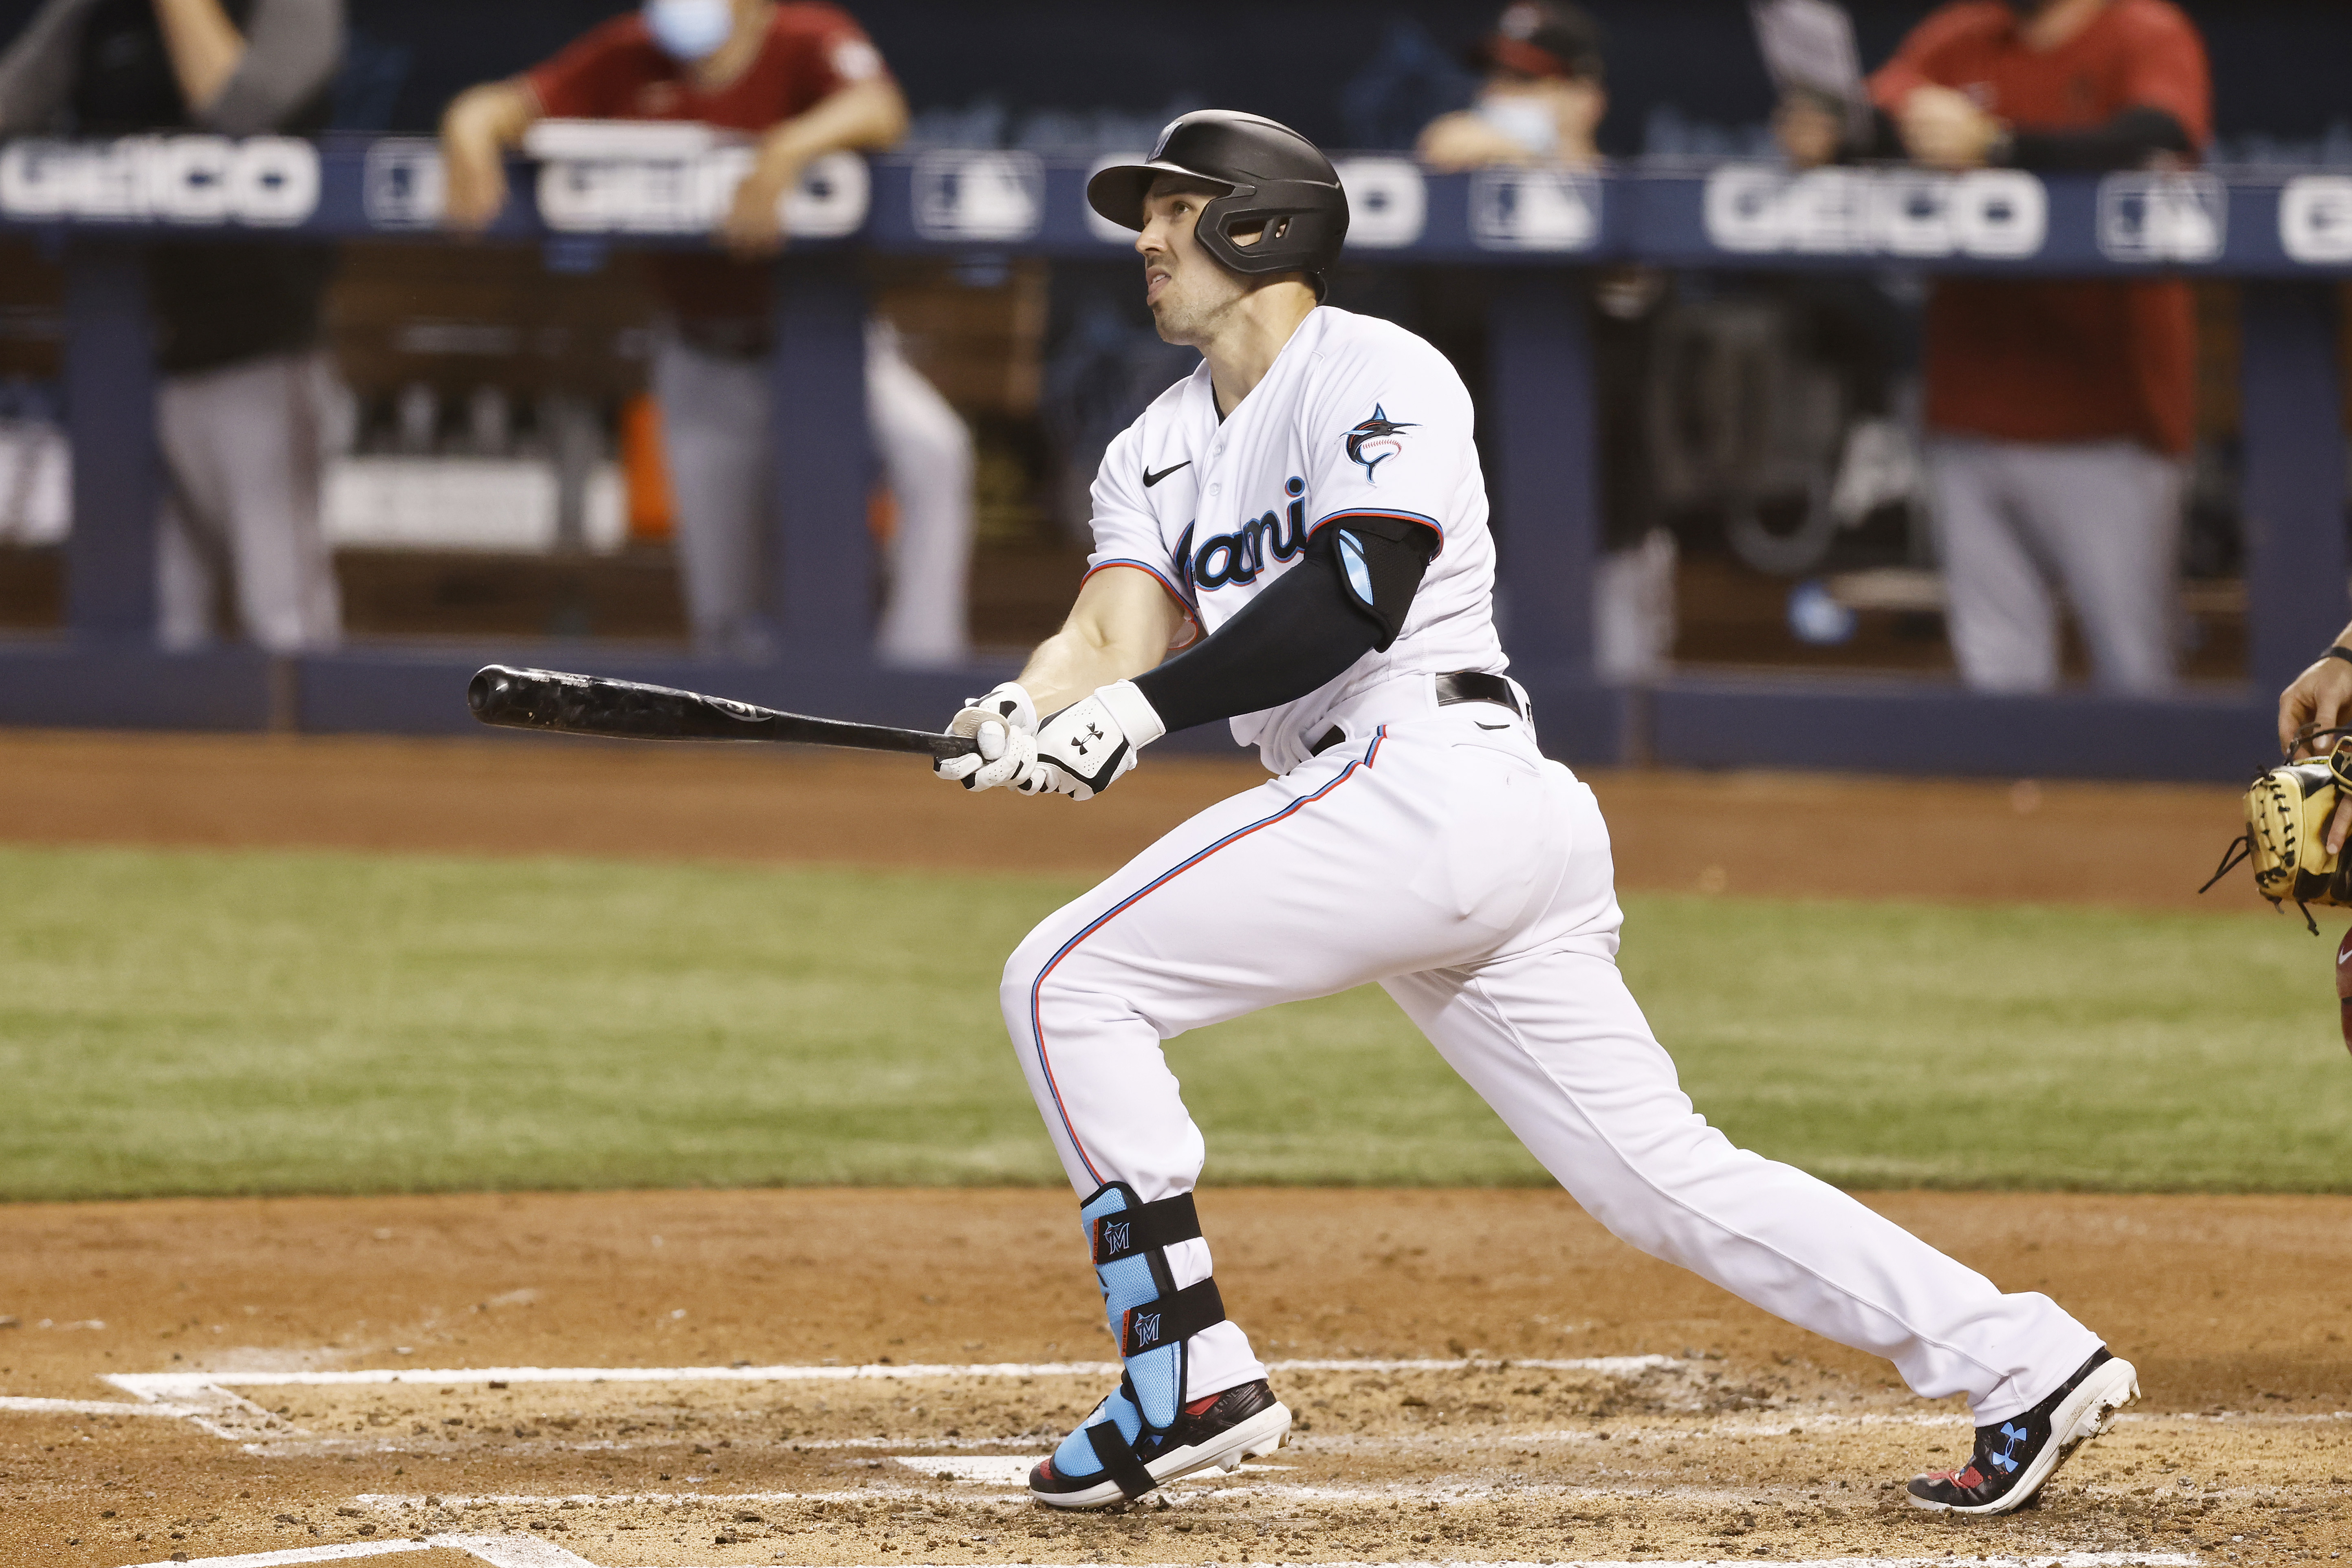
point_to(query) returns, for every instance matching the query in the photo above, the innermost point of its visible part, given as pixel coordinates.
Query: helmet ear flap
(1292, 235)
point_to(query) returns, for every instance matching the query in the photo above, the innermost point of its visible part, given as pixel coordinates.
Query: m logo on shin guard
(1114, 1238)
(1147, 1328)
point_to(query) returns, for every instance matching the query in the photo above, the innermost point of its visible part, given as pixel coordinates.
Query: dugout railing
(2286, 236)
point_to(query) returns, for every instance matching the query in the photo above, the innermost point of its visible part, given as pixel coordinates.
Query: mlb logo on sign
(978, 195)
(1388, 203)
(403, 184)
(1534, 210)
(2162, 217)
(1114, 1237)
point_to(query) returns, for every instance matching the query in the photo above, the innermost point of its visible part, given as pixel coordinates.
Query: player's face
(1188, 289)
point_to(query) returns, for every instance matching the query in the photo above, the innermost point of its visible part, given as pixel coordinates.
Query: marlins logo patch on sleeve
(1375, 441)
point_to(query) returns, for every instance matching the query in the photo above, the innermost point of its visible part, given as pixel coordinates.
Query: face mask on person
(1525, 118)
(689, 30)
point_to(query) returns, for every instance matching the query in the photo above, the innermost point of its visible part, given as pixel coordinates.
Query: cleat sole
(1262, 1434)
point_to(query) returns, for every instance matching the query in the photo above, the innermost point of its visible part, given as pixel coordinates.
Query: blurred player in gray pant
(241, 406)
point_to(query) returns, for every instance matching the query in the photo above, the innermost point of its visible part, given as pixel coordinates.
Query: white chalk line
(529, 1551)
(160, 1384)
(209, 1404)
(297, 1554)
(88, 1407)
(1177, 1495)
(403, 1500)
(499, 1550)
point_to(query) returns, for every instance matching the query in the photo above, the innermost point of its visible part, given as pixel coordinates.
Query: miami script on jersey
(1356, 416)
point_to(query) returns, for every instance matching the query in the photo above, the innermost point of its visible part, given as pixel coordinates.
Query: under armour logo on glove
(1114, 722)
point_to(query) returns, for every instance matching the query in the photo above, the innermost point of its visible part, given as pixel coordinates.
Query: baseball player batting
(1304, 518)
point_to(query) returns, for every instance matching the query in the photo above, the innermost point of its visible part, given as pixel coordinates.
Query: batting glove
(1087, 744)
(1005, 723)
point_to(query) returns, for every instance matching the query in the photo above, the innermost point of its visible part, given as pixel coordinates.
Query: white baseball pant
(1438, 853)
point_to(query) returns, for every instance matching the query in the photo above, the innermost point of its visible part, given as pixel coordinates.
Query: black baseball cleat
(2013, 1458)
(1221, 1431)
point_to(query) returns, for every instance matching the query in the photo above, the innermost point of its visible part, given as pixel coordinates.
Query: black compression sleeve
(2126, 141)
(1301, 632)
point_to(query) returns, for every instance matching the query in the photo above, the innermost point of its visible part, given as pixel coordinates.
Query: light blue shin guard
(1148, 1316)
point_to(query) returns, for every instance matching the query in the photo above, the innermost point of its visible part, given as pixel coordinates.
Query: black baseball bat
(593, 705)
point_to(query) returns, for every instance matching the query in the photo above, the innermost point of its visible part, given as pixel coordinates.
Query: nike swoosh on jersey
(1484, 726)
(1151, 478)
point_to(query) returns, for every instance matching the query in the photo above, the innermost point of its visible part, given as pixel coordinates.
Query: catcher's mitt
(2287, 813)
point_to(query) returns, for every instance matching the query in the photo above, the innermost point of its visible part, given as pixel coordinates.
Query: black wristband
(2338, 651)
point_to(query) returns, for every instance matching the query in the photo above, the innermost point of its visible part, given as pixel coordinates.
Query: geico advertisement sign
(1989, 213)
(263, 182)
(688, 195)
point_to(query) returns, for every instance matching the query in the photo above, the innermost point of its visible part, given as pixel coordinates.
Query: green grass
(249, 1022)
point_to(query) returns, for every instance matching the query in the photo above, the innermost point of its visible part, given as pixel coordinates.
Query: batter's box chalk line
(499, 1550)
(1004, 1470)
(529, 1552)
(207, 1400)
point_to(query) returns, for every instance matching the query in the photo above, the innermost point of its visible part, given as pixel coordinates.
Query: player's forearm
(478, 128)
(204, 45)
(483, 121)
(864, 115)
(1083, 657)
(2131, 139)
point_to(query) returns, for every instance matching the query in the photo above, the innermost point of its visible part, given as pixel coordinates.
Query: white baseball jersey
(1356, 417)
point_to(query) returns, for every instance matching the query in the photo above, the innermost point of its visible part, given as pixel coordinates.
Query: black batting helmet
(1275, 179)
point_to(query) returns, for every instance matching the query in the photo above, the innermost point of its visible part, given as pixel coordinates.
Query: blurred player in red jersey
(804, 79)
(2061, 411)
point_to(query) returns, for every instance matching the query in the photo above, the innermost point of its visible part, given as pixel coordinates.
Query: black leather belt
(1475, 686)
(1460, 685)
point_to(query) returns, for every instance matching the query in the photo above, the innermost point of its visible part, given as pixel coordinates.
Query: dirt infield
(1738, 1437)
(1510, 1383)
(1809, 836)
